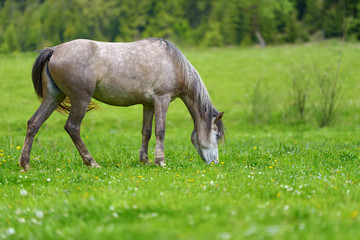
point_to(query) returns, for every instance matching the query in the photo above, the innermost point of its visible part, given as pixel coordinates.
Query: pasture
(278, 178)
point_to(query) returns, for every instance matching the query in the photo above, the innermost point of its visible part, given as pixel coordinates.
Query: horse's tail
(42, 59)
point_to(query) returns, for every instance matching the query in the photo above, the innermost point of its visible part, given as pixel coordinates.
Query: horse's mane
(193, 83)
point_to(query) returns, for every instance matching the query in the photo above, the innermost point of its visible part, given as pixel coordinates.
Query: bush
(297, 110)
(328, 97)
(10, 43)
(261, 104)
(333, 23)
(314, 96)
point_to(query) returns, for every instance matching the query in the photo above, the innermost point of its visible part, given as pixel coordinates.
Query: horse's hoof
(94, 165)
(26, 167)
(160, 163)
(145, 161)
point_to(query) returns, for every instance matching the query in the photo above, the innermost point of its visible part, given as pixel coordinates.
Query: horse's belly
(122, 96)
(124, 102)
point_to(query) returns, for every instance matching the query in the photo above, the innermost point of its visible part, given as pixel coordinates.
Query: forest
(26, 25)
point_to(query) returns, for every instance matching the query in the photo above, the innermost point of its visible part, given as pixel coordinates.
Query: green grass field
(276, 179)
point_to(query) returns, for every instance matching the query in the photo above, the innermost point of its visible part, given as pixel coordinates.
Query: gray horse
(151, 72)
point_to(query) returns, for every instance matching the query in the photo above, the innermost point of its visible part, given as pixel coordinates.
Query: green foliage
(329, 91)
(312, 18)
(261, 104)
(232, 23)
(333, 22)
(292, 30)
(36, 24)
(297, 111)
(353, 24)
(213, 36)
(307, 82)
(10, 43)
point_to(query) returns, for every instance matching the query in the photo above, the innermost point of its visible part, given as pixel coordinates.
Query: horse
(152, 72)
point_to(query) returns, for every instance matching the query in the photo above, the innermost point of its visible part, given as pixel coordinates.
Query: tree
(262, 11)
(164, 16)
(312, 18)
(291, 29)
(234, 24)
(29, 24)
(11, 43)
(352, 26)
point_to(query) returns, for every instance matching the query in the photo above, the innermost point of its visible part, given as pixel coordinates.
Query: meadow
(278, 178)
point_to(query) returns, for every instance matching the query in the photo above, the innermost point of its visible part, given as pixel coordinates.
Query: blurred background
(26, 25)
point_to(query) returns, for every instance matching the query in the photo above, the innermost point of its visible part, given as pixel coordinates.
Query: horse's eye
(218, 136)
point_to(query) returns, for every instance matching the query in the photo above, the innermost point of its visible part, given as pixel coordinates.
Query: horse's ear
(218, 117)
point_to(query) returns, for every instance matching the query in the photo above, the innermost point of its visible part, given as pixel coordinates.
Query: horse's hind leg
(72, 126)
(48, 105)
(148, 115)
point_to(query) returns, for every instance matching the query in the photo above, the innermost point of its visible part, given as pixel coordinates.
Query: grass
(275, 180)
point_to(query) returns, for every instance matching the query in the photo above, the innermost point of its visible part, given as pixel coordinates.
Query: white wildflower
(10, 231)
(39, 214)
(23, 192)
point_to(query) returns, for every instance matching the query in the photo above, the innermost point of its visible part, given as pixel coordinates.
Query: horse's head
(206, 139)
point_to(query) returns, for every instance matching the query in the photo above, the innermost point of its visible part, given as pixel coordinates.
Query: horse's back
(115, 73)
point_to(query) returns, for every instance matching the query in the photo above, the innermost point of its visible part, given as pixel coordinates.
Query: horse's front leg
(148, 115)
(161, 104)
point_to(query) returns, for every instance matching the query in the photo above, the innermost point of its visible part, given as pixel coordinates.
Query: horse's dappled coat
(151, 72)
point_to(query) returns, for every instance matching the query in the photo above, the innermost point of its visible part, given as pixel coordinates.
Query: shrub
(328, 97)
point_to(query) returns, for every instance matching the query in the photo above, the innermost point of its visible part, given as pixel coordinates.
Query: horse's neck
(194, 107)
(196, 99)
